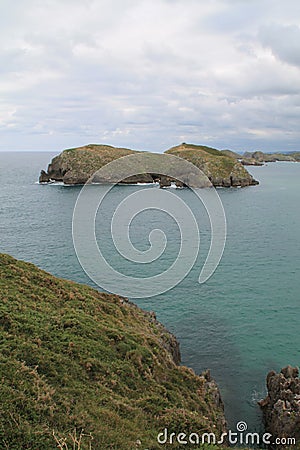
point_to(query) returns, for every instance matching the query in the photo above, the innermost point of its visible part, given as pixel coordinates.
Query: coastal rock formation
(251, 162)
(295, 155)
(44, 177)
(76, 166)
(214, 390)
(260, 158)
(281, 407)
(74, 359)
(245, 160)
(222, 170)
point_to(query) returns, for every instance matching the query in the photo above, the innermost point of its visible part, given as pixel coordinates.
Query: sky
(150, 74)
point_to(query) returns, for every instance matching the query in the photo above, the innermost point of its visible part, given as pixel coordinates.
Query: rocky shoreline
(281, 407)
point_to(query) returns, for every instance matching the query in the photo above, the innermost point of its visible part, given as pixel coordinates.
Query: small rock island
(77, 165)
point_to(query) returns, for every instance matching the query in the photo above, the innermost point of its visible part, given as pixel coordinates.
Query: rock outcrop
(295, 155)
(222, 170)
(251, 162)
(281, 407)
(76, 166)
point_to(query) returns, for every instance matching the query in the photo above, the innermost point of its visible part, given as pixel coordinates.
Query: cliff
(281, 407)
(295, 155)
(222, 170)
(80, 364)
(246, 161)
(76, 166)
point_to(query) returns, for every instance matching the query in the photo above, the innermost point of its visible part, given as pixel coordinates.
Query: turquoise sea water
(242, 323)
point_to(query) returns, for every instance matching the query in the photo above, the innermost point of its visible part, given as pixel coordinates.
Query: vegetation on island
(220, 168)
(76, 166)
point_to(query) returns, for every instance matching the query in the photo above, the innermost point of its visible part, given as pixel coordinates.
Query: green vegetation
(77, 165)
(221, 169)
(79, 363)
(204, 148)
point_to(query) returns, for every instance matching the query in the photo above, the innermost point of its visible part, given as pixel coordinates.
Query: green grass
(74, 359)
(77, 165)
(204, 148)
(220, 168)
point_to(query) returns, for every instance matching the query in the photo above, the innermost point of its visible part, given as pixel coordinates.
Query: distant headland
(259, 158)
(77, 165)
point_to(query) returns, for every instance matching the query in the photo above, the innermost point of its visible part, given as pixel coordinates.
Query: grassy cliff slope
(74, 359)
(221, 169)
(76, 165)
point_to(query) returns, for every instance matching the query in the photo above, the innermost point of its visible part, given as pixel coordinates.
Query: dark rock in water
(164, 181)
(44, 177)
(241, 181)
(140, 178)
(179, 184)
(281, 407)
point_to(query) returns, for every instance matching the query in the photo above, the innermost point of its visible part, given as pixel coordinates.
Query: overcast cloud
(150, 74)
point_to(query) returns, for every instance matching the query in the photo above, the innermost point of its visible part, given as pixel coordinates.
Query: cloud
(283, 41)
(149, 74)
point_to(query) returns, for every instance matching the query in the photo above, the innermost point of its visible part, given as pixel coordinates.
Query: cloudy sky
(150, 74)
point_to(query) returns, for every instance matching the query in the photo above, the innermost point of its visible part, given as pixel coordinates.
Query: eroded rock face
(214, 394)
(44, 177)
(281, 407)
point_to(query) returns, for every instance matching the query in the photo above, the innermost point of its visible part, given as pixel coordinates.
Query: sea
(242, 323)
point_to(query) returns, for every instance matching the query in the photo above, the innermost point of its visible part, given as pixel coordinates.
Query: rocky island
(77, 165)
(80, 364)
